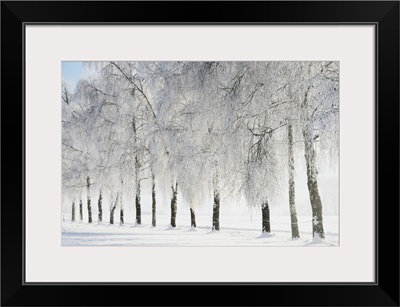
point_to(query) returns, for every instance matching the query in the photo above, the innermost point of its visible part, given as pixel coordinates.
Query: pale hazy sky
(72, 71)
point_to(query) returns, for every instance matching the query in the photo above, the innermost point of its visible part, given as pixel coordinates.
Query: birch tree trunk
(192, 218)
(121, 216)
(312, 183)
(89, 206)
(73, 212)
(266, 224)
(137, 205)
(292, 204)
(100, 206)
(112, 215)
(80, 210)
(137, 177)
(112, 210)
(216, 206)
(153, 201)
(174, 204)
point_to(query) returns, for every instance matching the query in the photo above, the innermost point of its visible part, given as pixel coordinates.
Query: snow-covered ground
(235, 230)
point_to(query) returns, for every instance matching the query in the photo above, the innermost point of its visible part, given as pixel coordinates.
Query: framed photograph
(238, 147)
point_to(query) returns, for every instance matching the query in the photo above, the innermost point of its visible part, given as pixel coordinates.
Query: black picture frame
(383, 14)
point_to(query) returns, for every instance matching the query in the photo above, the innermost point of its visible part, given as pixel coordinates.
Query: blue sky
(72, 71)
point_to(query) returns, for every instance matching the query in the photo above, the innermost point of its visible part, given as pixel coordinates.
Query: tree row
(223, 132)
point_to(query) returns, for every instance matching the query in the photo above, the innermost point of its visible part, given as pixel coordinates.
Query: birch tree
(319, 110)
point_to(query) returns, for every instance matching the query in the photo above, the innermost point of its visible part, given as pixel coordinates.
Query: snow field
(236, 230)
